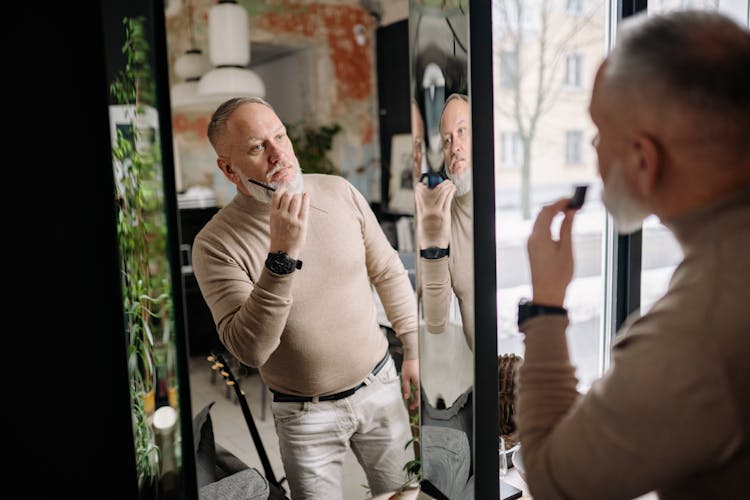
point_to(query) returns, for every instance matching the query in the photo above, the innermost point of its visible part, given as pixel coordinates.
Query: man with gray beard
(445, 227)
(287, 272)
(671, 104)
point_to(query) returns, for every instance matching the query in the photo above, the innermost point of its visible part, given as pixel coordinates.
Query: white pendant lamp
(229, 51)
(190, 66)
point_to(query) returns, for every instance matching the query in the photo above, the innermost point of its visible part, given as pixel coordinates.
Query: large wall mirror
(317, 65)
(326, 70)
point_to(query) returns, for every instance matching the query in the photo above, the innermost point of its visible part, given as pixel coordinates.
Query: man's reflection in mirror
(445, 227)
(445, 274)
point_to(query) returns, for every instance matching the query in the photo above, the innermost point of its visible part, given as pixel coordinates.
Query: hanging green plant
(141, 229)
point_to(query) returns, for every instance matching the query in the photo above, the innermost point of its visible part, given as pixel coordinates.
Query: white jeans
(314, 439)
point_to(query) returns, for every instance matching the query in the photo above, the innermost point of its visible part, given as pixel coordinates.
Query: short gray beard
(263, 195)
(626, 211)
(462, 181)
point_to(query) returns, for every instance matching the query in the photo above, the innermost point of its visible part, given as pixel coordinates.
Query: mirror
(438, 43)
(316, 64)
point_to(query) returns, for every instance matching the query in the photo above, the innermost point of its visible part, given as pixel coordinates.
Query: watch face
(280, 263)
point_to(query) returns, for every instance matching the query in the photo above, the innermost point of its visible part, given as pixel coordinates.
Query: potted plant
(312, 144)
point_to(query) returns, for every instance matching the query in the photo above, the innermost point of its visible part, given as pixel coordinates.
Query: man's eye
(257, 148)
(280, 137)
(446, 142)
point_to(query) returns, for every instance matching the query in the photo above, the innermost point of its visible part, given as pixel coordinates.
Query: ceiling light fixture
(229, 51)
(190, 66)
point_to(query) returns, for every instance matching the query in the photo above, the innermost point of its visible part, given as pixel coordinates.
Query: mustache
(456, 159)
(279, 165)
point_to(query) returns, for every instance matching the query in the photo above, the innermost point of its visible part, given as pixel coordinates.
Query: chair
(223, 476)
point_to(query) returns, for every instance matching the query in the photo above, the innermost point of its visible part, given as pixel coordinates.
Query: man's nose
(455, 146)
(274, 153)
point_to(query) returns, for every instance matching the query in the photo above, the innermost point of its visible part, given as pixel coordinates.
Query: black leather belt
(280, 397)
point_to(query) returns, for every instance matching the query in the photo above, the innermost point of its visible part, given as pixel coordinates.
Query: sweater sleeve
(657, 413)
(249, 316)
(436, 293)
(389, 277)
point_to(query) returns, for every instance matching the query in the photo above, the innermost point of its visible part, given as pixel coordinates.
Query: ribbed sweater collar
(249, 204)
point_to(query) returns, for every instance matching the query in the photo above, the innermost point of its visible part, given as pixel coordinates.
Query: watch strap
(432, 253)
(528, 310)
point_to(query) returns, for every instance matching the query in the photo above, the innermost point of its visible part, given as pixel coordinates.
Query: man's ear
(227, 170)
(650, 162)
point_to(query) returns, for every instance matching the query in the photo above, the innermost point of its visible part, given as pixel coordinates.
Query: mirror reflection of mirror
(441, 133)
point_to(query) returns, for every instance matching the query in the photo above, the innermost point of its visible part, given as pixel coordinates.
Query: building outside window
(545, 116)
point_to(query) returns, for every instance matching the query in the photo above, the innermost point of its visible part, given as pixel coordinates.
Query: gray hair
(452, 97)
(696, 60)
(218, 123)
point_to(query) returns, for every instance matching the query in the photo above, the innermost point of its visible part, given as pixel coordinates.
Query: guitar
(218, 363)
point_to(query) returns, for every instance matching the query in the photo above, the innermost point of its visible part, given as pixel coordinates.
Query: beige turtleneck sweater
(672, 413)
(313, 331)
(440, 278)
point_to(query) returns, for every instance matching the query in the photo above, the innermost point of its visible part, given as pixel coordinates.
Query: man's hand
(551, 261)
(289, 222)
(409, 376)
(434, 214)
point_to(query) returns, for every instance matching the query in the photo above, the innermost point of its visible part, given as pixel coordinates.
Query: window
(525, 184)
(574, 70)
(508, 68)
(573, 147)
(511, 149)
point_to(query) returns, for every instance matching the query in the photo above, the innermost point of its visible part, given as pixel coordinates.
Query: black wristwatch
(434, 252)
(528, 310)
(282, 263)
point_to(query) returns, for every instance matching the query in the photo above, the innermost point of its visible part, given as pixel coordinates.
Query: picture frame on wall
(401, 187)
